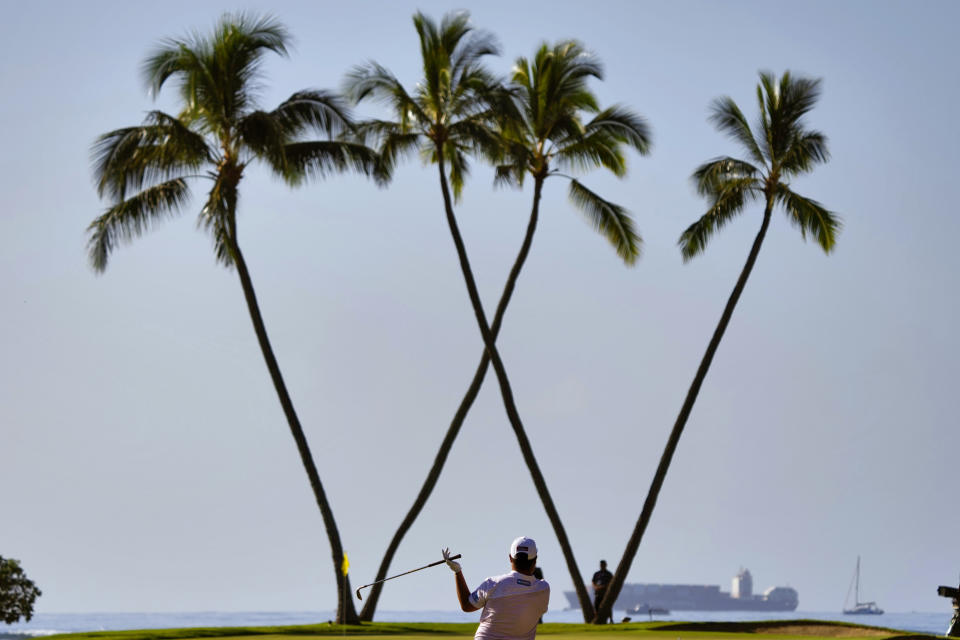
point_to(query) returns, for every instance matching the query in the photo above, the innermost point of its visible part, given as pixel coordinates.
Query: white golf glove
(454, 566)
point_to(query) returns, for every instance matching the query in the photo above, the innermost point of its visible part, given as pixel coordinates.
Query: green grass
(429, 631)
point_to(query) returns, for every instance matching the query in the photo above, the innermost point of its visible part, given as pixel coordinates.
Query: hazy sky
(147, 466)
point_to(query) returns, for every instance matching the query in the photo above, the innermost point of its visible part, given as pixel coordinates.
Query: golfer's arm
(463, 593)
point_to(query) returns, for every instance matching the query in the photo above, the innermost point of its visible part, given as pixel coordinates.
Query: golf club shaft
(426, 566)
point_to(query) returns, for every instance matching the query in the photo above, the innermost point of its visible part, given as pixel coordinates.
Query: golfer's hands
(454, 566)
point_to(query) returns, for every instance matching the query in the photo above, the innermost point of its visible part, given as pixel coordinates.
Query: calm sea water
(50, 623)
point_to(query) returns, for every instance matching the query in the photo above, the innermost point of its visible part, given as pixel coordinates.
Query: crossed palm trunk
(366, 614)
(613, 590)
(346, 613)
(493, 332)
(507, 393)
(463, 110)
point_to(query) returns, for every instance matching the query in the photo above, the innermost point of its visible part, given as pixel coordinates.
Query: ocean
(44, 624)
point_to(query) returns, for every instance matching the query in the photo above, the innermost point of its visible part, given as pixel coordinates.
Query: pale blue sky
(146, 462)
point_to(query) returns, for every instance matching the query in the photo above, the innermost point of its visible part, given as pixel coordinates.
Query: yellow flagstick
(345, 568)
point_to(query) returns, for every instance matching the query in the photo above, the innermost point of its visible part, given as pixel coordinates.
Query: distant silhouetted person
(600, 581)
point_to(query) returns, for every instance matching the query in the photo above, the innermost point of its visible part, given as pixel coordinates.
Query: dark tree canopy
(17, 592)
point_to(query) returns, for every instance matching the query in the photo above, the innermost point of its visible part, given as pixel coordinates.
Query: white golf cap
(525, 546)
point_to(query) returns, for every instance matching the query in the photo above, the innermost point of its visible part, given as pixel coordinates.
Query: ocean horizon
(44, 624)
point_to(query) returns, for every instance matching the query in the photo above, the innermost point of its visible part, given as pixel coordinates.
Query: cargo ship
(696, 597)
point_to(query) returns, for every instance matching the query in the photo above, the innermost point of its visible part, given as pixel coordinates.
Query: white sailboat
(859, 608)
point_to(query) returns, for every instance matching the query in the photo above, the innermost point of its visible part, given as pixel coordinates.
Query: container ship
(696, 597)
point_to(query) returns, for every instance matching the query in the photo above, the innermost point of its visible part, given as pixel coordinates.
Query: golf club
(426, 566)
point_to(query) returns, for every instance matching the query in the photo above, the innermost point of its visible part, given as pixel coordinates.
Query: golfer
(512, 603)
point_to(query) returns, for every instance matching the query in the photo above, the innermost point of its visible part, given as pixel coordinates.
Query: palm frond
(495, 104)
(131, 218)
(597, 150)
(215, 217)
(459, 168)
(798, 95)
(372, 132)
(728, 202)
(768, 94)
(436, 46)
(564, 74)
(477, 135)
(601, 141)
(810, 217)
(131, 158)
(392, 144)
(465, 59)
(553, 88)
(268, 134)
(578, 61)
(785, 103)
(265, 135)
(624, 125)
(805, 150)
(727, 117)
(455, 84)
(522, 78)
(563, 129)
(515, 152)
(168, 58)
(220, 234)
(611, 220)
(393, 148)
(716, 175)
(764, 126)
(319, 159)
(481, 98)
(509, 175)
(375, 81)
(451, 55)
(428, 34)
(320, 110)
(453, 28)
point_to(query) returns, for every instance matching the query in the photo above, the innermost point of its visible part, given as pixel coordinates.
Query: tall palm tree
(782, 149)
(145, 171)
(450, 115)
(546, 134)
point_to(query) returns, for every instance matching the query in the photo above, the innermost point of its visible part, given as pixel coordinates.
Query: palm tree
(452, 114)
(782, 149)
(145, 172)
(546, 134)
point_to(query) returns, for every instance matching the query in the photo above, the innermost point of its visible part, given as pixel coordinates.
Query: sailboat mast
(857, 592)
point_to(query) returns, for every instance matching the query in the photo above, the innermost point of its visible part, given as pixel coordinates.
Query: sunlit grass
(769, 630)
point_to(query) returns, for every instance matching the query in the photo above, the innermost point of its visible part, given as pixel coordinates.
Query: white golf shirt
(512, 605)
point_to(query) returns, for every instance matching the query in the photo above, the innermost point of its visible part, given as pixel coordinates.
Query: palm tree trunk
(346, 614)
(366, 614)
(508, 402)
(623, 568)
